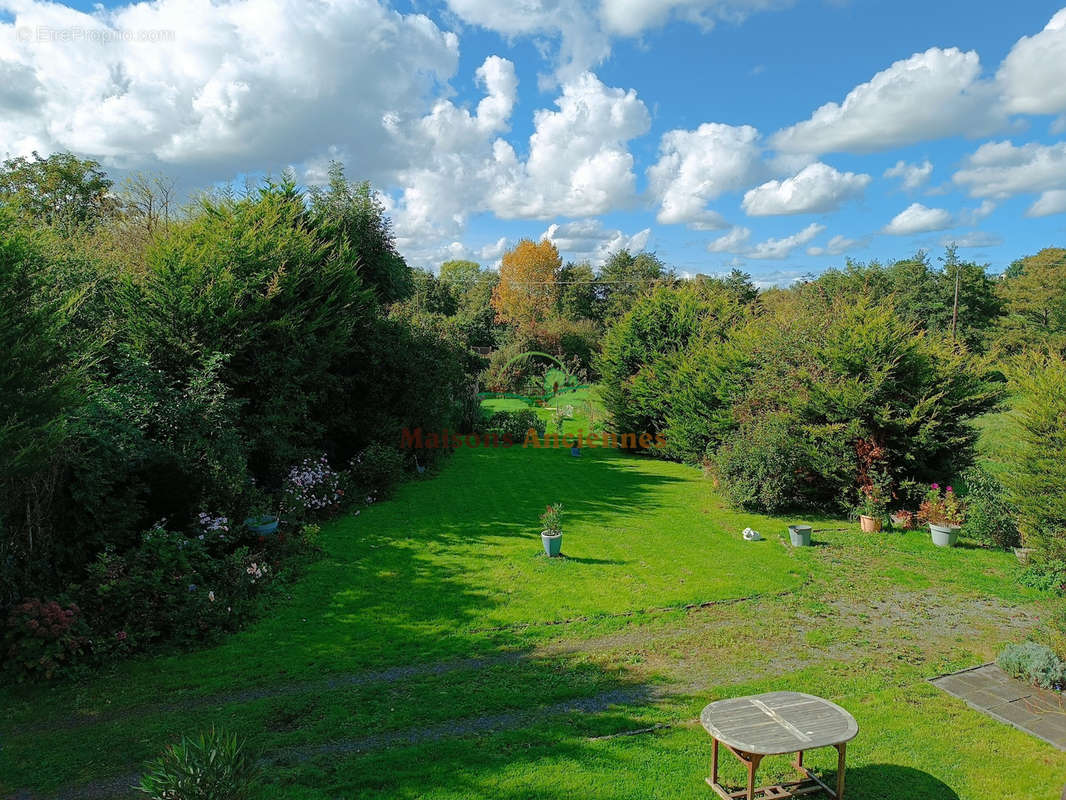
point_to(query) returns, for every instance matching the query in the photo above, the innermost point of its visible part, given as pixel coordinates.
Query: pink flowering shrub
(312, 490)
(44, 638)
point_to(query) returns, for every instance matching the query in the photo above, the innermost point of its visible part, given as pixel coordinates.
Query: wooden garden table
(775, 723)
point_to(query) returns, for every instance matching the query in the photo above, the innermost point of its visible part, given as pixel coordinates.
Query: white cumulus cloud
(584, 29)
(244, 85)
(578, 165)
(972, 239)
(972, 216)
(736, 242)
(733, 242)
(919, 219)
(1050, 202)
(1031, 75)
(782, 248)
(1000, 169)
(583, 44)
(589, 240)
(698, 166)
(836, 246)
(912, 176)
(930, 95)
(633, 17)
(816, 188)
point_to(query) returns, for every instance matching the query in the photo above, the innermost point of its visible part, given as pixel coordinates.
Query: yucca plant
(213, 766)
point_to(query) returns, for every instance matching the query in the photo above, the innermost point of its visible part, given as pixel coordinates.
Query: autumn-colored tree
(528, 287)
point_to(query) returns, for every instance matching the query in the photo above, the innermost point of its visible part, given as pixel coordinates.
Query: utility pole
(955, 308)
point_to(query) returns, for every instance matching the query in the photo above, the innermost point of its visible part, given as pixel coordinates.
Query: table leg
(753, 764)
(798, 764)
(841, 754)
(714, 762)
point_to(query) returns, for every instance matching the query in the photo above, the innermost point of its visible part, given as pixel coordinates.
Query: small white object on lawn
(751, 536)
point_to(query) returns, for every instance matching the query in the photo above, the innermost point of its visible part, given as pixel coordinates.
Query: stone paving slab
(988, 689)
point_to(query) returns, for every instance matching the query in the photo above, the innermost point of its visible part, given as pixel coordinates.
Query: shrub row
(792, 404)
(204, 382)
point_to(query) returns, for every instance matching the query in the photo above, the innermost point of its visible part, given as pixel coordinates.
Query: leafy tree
(61, 190)
(920, 293)
(528, 287)
(350, 217)
(249, 282)
(1034, 293)
(459, 274)
(578, 292)
(473, 288)
(738, 283)
(431, 294)
(625, 277)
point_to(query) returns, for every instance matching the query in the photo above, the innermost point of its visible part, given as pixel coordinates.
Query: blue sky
(683, 126)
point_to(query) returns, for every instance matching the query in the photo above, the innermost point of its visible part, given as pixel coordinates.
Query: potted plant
(871, 509)
(800, 535)
(944, 513)
(551, 533)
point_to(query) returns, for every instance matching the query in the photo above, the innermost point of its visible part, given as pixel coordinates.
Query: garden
(225, 575)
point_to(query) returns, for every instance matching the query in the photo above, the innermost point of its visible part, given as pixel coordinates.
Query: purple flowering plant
(312, 489)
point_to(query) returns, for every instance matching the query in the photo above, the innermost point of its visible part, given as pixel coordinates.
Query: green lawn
(434, 652)
(999, 443)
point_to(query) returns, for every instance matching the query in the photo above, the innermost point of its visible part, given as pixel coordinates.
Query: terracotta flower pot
(869, 524)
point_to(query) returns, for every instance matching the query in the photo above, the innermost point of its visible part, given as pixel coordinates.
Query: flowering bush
(213, 530)
(551, 520)
(256, 571)
(312, 490)
(942, 508)
(170, 588)
(43, 638)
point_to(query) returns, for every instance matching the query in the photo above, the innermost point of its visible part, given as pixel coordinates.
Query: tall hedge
(246, 340)
(1037, 479)
(643, 351)
(39, 385)
(795, 405)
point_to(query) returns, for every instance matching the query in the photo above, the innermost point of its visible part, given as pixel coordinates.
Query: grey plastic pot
(553, 545)
(800, 535)
(944, 535)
